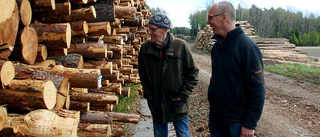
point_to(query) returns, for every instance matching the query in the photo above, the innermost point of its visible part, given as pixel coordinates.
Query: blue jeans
(181, 127)
(220, 129)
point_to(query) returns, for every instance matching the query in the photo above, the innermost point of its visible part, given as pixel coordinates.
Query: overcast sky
(179, 10)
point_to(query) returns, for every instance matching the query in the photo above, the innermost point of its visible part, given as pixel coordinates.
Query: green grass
(298, 71)
(124, 103)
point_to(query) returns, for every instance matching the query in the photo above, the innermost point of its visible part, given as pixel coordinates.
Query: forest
(301, 29)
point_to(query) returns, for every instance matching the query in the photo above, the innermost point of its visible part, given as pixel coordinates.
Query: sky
(179, 10)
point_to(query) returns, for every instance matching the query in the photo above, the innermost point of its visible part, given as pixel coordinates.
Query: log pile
(64, 63)
(275, 49)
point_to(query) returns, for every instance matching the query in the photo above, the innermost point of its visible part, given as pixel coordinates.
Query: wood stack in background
(275, 49)
(63, 57)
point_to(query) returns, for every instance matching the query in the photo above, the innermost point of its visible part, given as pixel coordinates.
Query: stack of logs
(63, 63)
(276, 49)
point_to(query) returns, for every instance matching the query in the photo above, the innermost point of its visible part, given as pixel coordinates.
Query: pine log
(83, 107)
(95, 130)
(126, 91)
(113, 39)
(63, 97)
(70, 60)
(42, 53)
(62, 9)
(7, 72)
(114, 76)
(126, 69)
(25, 11)
(43, 122)
(104, 66)
(104, 11)
(45, 63)
(81, 78)
(54, 36)
(94, 98)
(27, 45)
(3, 117)
(107, 107)
(95, 118)
(117, 130)
(113, 87)
(119, 117)
(125, 12)
(100, 91)
(89, 50)
(43, 3)
(9, 24)
(57, 52)
(29, 95)
(76, 15)
(79, 28)
(93, 39)
(99, 28)
(117, 53)
(75, 2)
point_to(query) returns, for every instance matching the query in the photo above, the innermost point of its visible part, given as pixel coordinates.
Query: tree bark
(83, 107)
(94, 98)
(95, 118)
(113, 39)
(104, 66)
(70, 60)
(29, 94)
(125, 12)
(43, 3)
(104, 11)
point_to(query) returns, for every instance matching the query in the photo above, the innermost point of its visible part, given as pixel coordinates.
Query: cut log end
(7, 72)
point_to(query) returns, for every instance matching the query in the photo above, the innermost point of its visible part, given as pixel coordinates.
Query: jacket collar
(230, 35)
(167, 48)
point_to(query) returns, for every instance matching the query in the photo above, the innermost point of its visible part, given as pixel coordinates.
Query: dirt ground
(292, 107)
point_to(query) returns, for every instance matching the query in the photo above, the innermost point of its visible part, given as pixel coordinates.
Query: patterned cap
(161, 20)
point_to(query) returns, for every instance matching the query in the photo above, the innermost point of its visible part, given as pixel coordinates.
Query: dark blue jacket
(236, 92)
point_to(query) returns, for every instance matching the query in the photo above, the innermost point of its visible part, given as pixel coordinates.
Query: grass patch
(298, 71)
(124, 103)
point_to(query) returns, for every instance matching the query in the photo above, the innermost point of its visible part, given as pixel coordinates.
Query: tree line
(268, 23)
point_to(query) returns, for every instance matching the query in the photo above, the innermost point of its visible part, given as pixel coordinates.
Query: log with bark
(99, 28)
(94, 98)
(125, 12)
(83, 107)
(79, 28)
(76, 15)
(113, 87)
(54, 36)
(94, 130)
(95, 118)
(29, 94)
(89, 50)
(104, 11)
(80, 78)
(9, 24)
(70, 60)
(104, 66)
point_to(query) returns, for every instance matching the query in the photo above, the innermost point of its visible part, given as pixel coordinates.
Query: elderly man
(236, 92)
(168, 74)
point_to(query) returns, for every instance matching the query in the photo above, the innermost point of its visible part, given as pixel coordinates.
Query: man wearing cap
(168, 74)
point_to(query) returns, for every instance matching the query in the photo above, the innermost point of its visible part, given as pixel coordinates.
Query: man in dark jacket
(236, 92)
(168, 74)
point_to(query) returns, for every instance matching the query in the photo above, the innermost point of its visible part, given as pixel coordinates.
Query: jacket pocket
(180, 107)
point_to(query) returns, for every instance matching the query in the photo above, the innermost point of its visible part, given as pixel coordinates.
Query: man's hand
(247, 132)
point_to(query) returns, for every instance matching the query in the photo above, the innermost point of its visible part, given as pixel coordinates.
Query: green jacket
(164, 79)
